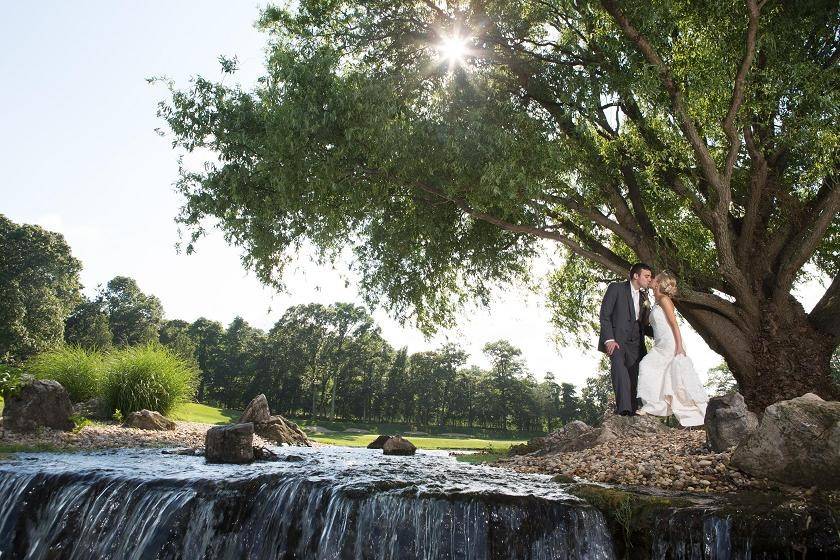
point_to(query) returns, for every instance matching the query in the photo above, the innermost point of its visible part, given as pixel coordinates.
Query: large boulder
(36, 404)
(149, 420)
(397, 445)
(616, 427)
(272, 428)
(379, 442)
(280, 431)
(797, 442)
(257, 411)
(574, 436)
(728, 422)
(233, 443)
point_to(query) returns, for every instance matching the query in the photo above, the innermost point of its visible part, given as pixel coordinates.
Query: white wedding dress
(669, 384)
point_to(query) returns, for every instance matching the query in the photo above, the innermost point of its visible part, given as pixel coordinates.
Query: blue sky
(79, 155)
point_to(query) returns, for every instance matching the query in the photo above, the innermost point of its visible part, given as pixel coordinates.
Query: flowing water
(319, 503)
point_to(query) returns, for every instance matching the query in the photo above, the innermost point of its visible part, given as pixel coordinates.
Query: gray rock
(728, 422)
(233, 443)
(616, 427)
(257, 411)
(797, 442)
(36, 404)
(149, 420)
(265, 454)
(397, 445)
(378, 442)
(280, 431)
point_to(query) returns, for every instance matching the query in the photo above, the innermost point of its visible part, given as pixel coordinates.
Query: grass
(150, 377)
(79, 371)
(422, 442)
(479, 458)
(195, 412)
(433, 431)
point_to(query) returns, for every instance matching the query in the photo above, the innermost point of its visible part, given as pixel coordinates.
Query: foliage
(10, 379)
(79, 371)
(133, 316)
(720, 381)
(697, 137)
(88, 326)
(149, 377)
(39, 283)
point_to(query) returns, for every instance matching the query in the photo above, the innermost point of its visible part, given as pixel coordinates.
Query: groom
(624, 323)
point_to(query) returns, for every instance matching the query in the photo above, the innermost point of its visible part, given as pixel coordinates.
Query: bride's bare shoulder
(666, 303)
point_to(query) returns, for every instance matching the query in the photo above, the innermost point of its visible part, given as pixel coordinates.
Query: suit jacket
(618, 318)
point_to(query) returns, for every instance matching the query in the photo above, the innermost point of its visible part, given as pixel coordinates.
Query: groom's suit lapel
(629, 293)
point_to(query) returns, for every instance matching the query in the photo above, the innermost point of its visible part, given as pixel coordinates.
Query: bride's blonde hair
(667, 283)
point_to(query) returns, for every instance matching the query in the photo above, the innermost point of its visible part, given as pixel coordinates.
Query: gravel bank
(675, 460)
(106, 435)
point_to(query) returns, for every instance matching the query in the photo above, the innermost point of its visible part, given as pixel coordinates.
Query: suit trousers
(624, 369)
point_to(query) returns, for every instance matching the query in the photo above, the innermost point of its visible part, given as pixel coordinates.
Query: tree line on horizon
(323, 361)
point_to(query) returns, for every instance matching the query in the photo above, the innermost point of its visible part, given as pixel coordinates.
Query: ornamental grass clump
(150, 377)
(78, 370)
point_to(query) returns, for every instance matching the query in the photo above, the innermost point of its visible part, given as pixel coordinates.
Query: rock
(265, 454)
(273, 428)
(149, 420)
(233, 443)
(38, 403)
(257, 411)
(397, 445)
(728, 422)
(279, 430)
(378, 442)
(796, 442)
(94, 409)
(615, 426)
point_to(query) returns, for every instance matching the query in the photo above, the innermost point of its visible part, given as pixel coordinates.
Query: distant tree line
(324, 361)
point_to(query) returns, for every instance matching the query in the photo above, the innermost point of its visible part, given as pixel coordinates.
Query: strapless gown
(669, 384)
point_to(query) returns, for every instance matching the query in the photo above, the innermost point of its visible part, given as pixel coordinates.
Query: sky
(80, 155)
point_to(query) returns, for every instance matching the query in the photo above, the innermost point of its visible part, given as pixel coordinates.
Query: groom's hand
(611, 347)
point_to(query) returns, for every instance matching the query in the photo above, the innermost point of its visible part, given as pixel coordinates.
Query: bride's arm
(670, 315)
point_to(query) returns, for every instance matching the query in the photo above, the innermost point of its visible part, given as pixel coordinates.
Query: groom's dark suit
(618, 323)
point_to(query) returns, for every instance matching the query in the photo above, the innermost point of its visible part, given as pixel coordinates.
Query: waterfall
(339, 503)
(105, 515)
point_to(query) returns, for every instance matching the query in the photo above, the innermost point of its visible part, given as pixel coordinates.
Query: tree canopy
(698, 137)
(39, 283)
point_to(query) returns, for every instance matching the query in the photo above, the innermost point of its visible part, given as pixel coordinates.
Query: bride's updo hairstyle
(667, 283)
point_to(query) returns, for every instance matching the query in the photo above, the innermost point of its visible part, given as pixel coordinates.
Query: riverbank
(107, 435)
(673, 460)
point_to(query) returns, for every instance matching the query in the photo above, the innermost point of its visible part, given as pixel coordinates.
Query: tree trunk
(781, 357)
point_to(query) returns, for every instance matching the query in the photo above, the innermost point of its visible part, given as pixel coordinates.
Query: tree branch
(825, 316)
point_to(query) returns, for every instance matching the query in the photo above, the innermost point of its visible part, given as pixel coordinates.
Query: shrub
(78, 370)
(150, 377)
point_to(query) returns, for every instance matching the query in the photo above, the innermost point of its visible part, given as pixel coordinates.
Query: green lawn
(422, 442)
(194, 412)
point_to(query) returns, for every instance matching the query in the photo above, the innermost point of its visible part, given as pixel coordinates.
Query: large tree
(134, 317)
(39, 287)
(700, 137)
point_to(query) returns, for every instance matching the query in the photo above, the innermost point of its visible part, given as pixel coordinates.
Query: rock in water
(233, 443)
(265, 454)
(257, 411)
(796, 442)
(149, 420)
(728, 422)
(398, 446)
(36, 404)
(378, 442)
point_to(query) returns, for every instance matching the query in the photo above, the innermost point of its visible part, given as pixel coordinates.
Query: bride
(668, 382)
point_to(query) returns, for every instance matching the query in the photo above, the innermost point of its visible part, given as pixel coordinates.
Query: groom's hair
(638, 268)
